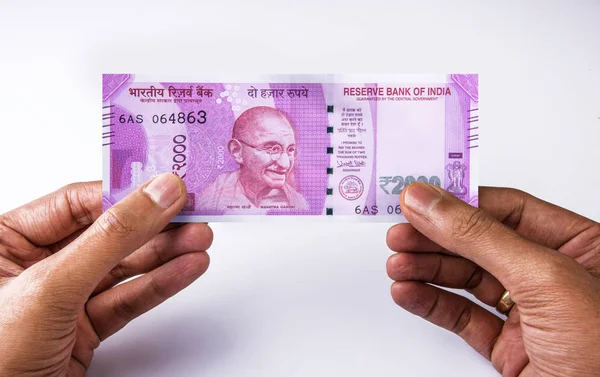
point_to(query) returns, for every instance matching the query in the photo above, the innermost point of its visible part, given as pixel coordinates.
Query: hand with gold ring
(534, 261)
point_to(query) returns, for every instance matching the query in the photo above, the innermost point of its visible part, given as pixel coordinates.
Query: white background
(309, 300)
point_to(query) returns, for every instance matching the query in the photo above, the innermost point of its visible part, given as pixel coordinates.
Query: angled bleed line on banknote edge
(470, 140)
(472, 128)
(473, 146)
(473, 109)
(108, 106)
(108, 133)
(473, 121)
(108, 125)
(474, 117)
(111, 143)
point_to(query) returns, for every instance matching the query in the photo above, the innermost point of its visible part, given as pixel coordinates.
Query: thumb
(118, 232)
(473, 234)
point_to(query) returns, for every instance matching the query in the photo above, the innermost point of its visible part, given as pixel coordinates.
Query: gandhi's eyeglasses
(274, 150)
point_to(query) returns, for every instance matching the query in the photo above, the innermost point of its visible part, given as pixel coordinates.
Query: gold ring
(505, 303)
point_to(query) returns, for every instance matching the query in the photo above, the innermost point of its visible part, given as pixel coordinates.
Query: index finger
(55, 216)
(531, 217)
(540, 221)
(472, 233)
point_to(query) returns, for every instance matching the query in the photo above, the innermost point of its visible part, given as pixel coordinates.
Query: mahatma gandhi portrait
(263, 143)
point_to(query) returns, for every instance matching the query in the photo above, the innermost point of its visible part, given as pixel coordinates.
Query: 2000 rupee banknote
(340, 147)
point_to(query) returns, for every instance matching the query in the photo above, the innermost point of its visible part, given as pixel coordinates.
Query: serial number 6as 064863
(191, 117)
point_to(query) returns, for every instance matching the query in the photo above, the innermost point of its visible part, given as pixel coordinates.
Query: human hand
(548, 258)
(60, 259)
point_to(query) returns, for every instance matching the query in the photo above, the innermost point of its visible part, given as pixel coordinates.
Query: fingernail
(164, 190)
(421, 197)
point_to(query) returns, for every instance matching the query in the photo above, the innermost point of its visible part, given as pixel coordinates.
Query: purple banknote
(332, 146)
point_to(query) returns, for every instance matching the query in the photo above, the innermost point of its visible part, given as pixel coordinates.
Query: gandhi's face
(269, 151)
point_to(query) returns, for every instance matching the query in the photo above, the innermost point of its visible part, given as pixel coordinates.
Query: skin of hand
(547, 257)
(61, 262)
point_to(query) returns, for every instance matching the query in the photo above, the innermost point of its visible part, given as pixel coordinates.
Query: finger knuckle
(4, 233)
(463, 319)
(433, 307)
(73, 194)
(517, 193)
(119, 272)
(437, 268)
(475, 278)
(123, 308)
(156, 249)
(554, 270)
(117, 222)
(470, 226)
(72, 187)
(158, 289)
(590, 244)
